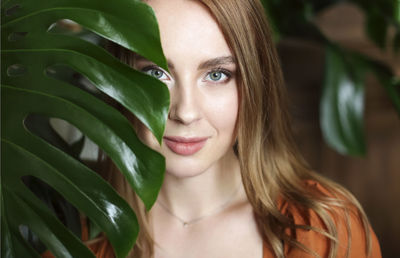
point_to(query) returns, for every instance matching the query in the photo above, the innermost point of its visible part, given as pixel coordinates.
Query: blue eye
(215, 76)
(218, 76)
(155, 72)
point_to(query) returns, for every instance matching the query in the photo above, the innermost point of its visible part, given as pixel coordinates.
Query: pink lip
(185, 146)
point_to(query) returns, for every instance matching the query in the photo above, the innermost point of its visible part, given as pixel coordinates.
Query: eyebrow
(222, 60)
(141, 58)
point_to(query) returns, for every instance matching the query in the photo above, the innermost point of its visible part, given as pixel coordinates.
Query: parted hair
(271, 166)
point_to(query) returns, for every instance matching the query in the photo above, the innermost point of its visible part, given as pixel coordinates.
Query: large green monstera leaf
(30, 51)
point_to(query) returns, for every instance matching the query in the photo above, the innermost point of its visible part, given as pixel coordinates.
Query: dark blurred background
(375, 178)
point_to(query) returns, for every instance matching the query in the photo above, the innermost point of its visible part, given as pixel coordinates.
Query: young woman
(235, 185)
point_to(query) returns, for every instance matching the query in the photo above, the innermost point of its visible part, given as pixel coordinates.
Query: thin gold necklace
(186, 223)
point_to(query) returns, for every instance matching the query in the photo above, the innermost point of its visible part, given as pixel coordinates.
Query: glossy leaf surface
(29, 52)
(342, 103)
(77, 53)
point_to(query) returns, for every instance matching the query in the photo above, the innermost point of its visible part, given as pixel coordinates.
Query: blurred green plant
(342, 100)
(38, 59)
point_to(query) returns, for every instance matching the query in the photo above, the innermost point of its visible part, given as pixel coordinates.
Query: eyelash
(225, 72)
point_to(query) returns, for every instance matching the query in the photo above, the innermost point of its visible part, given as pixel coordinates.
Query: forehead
(188, 29)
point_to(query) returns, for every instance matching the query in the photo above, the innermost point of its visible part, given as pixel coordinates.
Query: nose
(184, 103)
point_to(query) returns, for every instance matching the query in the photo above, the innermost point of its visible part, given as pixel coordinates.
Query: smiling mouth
(185, 146)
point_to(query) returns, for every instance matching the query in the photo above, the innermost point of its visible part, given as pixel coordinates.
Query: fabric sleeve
(320, 243)
(101, 248)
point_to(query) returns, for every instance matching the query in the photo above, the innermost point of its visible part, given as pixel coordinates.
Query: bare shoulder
(342, 215)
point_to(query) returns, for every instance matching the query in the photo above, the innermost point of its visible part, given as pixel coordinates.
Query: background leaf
(376, 27)
(341, 118)
(342, 106)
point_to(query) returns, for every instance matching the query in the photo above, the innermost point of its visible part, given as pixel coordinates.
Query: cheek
(223, 110)
(147, 137)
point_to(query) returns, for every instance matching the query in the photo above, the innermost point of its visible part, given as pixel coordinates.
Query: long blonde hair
(271, 166)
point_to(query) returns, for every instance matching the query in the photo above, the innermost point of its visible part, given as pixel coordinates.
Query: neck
(191, 197)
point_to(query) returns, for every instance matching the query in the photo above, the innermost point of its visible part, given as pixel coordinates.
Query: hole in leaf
(32, 239)
(71, 28)
(62, 135)
(67, 131)
(15, 36)
(10, 11)
(16, 70)
(69, 75)
(65, 25)
(63, 210)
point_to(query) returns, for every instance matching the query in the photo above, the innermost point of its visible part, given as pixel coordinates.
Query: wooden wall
(374, 179)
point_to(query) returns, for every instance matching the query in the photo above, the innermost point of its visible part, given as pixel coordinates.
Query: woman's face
(200, 130)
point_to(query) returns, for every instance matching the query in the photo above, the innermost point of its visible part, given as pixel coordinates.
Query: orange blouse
(319, 243)
(311, 239)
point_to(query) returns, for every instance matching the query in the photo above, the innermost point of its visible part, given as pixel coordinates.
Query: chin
(183, 174)
(184, 169)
